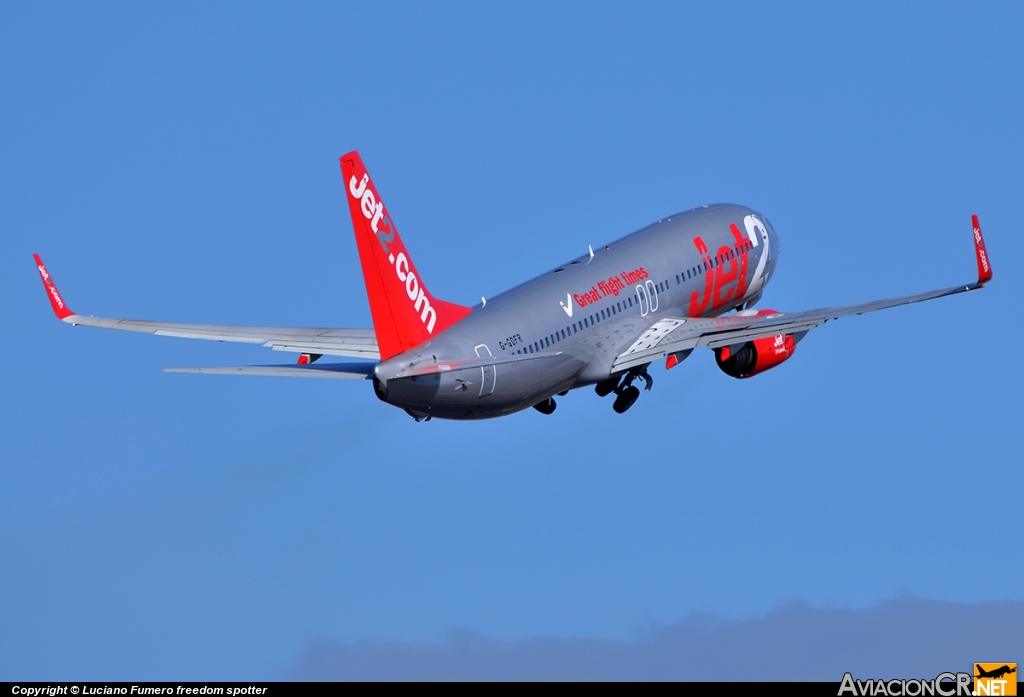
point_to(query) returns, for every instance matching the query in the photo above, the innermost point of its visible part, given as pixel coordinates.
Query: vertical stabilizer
(404, 312)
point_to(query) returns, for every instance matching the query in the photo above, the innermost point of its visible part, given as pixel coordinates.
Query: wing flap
(729, 338)
(349, 346)
(351, 343)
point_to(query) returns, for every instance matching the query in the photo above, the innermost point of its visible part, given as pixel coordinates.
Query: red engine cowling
(755, 356)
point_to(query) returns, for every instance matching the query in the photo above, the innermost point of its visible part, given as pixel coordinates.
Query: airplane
(687, 281)
(995, 673)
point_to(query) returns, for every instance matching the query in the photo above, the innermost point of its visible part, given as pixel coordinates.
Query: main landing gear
(625, 393)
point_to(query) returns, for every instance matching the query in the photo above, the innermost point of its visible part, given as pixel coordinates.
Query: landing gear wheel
(626, 399)
(603, 389)
(547, 406)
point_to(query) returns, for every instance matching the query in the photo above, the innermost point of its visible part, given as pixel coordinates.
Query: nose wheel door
(488, 373)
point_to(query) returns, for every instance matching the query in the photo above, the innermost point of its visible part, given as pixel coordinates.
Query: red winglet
(60, 308)
(984, 268)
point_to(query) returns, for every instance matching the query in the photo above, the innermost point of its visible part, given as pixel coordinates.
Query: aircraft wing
(352, 343)
(670, 335)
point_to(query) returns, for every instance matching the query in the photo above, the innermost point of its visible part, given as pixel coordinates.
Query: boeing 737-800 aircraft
(688, 281)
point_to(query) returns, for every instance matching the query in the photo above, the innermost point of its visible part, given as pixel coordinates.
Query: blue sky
(181, 163)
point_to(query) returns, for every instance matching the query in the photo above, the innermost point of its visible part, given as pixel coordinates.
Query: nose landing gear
(626, 393)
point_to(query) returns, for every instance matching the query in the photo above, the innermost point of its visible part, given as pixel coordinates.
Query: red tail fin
(404, 312)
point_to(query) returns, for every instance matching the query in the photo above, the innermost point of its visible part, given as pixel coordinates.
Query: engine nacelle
(755, 356)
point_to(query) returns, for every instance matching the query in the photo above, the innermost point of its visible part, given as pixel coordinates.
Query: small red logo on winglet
(56, 302)
(984, 268)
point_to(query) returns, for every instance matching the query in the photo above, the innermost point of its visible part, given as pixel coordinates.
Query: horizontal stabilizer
(342, 371)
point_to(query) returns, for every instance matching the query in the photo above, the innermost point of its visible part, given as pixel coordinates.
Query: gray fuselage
(571, 323)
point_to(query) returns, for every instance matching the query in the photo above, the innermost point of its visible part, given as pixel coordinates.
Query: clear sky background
(180, 162)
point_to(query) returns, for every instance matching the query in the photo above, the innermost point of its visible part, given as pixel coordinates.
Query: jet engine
(755, 356)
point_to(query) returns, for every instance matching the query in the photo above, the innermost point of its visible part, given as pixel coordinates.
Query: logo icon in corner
(995, 679)
(567, 305)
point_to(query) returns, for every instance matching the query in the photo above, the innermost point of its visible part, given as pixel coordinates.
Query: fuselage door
(643, 299)
(488, 373)
(652, 290)
(647, 296)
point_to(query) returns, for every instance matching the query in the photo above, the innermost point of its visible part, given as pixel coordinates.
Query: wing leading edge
(351, 343)
(725, 331)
